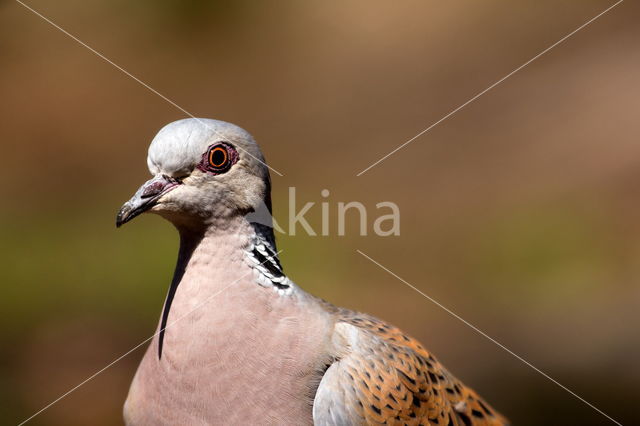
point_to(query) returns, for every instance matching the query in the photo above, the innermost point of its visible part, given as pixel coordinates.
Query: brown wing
(387, 377)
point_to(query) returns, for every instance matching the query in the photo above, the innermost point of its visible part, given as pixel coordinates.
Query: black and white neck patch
(263, 258)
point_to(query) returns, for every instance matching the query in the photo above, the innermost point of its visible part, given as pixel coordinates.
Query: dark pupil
(217, 157)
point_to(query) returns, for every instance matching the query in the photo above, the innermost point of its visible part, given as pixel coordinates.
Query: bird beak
(145, 198)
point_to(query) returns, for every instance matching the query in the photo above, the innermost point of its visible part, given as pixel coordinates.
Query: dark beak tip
(123, 216)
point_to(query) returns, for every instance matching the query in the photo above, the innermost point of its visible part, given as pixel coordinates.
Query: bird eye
(219, 158)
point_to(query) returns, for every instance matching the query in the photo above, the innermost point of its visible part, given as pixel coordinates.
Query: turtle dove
(239, 343)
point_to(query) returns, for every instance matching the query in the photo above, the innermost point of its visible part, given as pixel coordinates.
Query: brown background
(519, 213)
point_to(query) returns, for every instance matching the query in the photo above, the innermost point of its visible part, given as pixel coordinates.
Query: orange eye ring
(218, 157)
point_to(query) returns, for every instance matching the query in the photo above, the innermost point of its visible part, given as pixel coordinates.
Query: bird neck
(216, 249)
(235, 233)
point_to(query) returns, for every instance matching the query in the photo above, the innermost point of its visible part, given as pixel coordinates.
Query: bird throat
(256, 242)
(188, 243)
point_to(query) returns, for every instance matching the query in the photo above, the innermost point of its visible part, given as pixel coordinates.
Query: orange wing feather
(387, 377)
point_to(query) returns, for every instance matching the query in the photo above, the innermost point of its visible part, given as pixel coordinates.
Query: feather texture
(383, 376)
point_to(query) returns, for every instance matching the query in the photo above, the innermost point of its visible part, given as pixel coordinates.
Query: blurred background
(519, 213)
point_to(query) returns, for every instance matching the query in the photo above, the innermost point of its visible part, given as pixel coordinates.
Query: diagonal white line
(482, 333)
(97, 373)
(127, 73)
(489, 88)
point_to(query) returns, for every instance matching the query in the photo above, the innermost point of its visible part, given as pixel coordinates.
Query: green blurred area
(519, 213)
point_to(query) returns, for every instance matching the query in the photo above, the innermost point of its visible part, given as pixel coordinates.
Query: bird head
(204, 172)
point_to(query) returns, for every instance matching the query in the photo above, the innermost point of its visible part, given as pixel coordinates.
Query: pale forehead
(179, 146)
